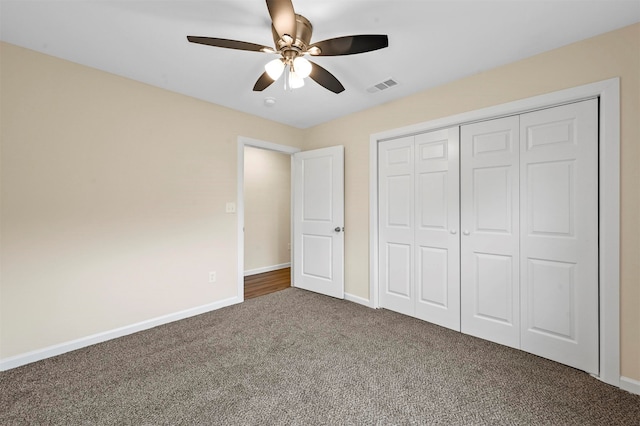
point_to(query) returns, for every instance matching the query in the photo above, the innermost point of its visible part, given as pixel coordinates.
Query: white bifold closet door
(529, 246)
(418, 224)
(437, 240)
(396, 227)
(489, 199)
(522, 268)
(559, 234)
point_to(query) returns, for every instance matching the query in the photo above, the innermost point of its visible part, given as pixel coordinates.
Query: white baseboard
(630, 385)
(266, 269)
(48, 352)
(357, 299)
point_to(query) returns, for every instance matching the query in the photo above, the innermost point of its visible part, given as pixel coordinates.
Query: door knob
(338, 229)
(466, 232)
(453, 231)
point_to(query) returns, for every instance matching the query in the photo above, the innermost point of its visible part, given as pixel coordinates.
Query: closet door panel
(398, 277)
(559, 234)
(493, 287)
(396, 224)
(493, 197)
(489, 197)
(437, 238)
(433, 277)
(433, 203)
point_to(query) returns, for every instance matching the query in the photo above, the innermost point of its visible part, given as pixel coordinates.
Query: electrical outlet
(212, 276)
(230, 207)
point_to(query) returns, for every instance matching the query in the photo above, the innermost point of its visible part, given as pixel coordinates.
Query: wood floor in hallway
(267, 282)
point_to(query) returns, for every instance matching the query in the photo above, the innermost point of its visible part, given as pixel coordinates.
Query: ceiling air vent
(383, 85)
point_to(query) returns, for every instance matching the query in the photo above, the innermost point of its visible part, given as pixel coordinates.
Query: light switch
(231, 208)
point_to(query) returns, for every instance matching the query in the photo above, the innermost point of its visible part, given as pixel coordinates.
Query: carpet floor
(295, 357)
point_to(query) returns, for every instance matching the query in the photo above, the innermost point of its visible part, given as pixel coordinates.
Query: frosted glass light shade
(302, 67)
(274, 68)
(295, 81)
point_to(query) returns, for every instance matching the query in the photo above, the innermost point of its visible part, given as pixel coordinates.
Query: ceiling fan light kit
(292, 37)
(302, 67)
(295, 81)
(274, 68)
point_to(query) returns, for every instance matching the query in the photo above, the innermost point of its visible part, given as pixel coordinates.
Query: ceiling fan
(292, 38)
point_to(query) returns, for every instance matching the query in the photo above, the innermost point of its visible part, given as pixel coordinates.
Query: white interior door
(318, 225)
(489, 198)
(419, 217)
(559, 234)
(437, 221)
(396, 224)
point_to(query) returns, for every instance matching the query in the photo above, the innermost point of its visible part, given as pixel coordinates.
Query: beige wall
(267, 208)
(113, 192)
(615, 54)
(113, 200)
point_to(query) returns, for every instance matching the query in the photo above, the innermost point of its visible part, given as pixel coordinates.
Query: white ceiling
(430, 43)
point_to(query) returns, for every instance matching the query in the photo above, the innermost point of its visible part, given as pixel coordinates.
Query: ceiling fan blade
(350, 45)
(325, 79)
(228, 44)
(263, 82)
(283, 17)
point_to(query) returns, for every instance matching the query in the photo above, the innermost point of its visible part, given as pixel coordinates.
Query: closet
(491, 229)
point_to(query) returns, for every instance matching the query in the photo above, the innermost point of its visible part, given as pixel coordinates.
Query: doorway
(267, 221)
(263, 248)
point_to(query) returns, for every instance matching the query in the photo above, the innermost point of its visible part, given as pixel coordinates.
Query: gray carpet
(295, 357)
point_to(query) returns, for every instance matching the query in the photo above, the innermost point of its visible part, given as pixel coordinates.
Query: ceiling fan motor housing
(291, 49)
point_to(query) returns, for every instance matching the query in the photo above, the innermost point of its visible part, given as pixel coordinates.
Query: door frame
(255, 143)
(608, 92)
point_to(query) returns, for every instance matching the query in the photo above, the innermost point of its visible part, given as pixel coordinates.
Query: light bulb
(295, 81)
(314, 51)
(302, 66)
(274, 68)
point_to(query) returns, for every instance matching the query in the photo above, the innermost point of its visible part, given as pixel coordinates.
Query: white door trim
(609, 174)
(242, 142)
